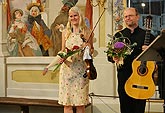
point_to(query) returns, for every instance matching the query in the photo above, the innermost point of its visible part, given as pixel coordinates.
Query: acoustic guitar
(140, 84)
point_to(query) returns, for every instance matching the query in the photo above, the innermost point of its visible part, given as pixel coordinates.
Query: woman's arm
(57, 58)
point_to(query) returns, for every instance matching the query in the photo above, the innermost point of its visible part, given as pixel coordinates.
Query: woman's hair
(82, 23)
(13, 13)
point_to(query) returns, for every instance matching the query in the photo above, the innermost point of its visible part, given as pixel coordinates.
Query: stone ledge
(24, 103)
(29, 102)
(155, 100)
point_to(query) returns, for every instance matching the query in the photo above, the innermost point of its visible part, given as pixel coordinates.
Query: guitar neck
(147, 37)
(148, 24)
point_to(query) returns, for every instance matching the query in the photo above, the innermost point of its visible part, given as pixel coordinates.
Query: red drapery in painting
(8, 13)
(89, 13)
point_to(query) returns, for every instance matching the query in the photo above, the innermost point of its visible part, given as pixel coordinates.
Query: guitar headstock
(148, 22)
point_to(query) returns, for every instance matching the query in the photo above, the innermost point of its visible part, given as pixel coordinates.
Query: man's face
(131, 18)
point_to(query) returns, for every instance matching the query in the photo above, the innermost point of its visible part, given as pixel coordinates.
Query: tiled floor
(111, 105)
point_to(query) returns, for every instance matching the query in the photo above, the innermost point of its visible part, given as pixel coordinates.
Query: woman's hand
(88, 44)
(45, 71)
(59, 27)
(61, 60)
(85, 45)
(24, 29)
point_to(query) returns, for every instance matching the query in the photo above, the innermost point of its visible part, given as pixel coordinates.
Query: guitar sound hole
(139, 87)
(142, 70)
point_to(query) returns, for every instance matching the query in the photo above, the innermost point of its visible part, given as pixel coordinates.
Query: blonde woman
(73, 87)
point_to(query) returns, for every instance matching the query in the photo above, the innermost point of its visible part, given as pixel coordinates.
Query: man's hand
(144, 47)
(116, 59)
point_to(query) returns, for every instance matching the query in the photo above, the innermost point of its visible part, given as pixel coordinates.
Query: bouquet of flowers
(67, 53)
(119, 48)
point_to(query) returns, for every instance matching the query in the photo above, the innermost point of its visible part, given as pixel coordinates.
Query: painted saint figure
(20, 41)
(59, 24)
(38, 28)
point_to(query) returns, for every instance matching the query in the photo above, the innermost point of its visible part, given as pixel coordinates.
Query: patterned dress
(73, 87)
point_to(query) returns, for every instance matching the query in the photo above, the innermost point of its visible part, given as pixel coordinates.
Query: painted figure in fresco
(38, 28)
(20, 41)
(59, 24)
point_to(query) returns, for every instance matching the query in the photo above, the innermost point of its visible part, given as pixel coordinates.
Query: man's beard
(132, 24)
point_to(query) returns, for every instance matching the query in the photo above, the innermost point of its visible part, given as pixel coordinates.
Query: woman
(73, 87)
(20, 41)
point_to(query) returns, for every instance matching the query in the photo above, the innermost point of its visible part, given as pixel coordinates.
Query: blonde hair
(82, 24)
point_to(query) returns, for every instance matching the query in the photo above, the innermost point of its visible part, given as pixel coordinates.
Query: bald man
(135, 35)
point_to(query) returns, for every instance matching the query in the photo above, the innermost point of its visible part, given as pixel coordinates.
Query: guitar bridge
(139, 87)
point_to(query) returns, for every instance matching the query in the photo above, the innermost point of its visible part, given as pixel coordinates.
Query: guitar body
(140, 85)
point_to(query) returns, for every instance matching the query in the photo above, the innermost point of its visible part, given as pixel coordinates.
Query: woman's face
(17, 14)
(74, 18)
(34, 11)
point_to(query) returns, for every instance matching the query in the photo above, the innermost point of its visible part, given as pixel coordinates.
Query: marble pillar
(2, 56)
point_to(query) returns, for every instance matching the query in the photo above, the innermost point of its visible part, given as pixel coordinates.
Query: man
(135, 34)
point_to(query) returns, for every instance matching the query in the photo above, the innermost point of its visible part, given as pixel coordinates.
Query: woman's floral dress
(73, 87)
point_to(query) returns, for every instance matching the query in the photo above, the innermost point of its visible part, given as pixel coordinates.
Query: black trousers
(161, 79)
(129, 104)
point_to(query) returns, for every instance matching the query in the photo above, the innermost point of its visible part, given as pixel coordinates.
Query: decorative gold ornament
(4, 4)
(40, 6)
(102, 2)
(97, 3)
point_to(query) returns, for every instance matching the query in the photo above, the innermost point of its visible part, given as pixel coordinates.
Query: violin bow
(82, 36)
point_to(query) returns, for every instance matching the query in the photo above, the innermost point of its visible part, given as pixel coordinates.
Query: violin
(90, 72)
